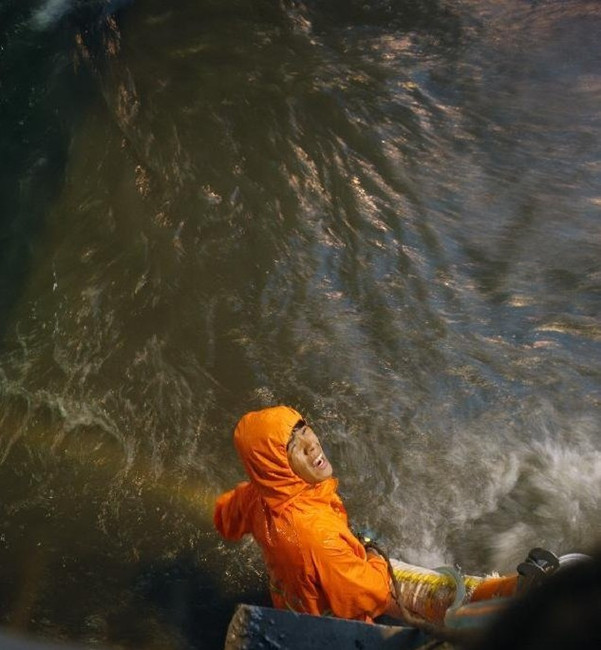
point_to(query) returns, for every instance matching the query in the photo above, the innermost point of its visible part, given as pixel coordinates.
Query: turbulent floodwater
(386, 214)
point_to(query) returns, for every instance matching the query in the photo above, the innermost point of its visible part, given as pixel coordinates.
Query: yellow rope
(433, 580)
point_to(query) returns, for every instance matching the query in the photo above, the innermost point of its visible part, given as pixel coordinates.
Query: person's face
(306, 456)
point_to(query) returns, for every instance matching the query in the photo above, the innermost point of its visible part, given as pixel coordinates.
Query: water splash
(50, 13)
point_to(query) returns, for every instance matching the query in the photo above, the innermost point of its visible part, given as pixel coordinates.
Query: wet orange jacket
(315, 564)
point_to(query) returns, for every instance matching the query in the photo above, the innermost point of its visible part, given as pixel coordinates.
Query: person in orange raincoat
(290, 506)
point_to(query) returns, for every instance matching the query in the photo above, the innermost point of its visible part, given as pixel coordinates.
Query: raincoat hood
(260, 439)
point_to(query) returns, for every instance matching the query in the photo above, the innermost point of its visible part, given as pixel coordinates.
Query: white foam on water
(489, 493)
(560, 484)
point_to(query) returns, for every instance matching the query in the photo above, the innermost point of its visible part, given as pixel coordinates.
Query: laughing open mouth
(320, 461)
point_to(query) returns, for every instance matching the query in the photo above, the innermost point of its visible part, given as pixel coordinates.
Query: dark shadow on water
(190, 603)
(92, 598)
(82, 564)
(33, 145)
(42, 97)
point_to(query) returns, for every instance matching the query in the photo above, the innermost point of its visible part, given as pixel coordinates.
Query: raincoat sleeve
(356, 586)
(233, 511)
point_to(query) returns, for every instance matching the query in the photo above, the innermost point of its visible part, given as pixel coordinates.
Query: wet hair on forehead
(298, 426)
(301, 424)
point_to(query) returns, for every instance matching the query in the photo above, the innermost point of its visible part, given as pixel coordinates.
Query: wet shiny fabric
(315, 564)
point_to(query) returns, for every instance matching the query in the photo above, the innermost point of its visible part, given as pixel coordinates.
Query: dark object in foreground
(252, 628)
(562, 612)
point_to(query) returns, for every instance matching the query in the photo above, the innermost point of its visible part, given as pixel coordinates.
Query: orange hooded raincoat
(315, 564)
